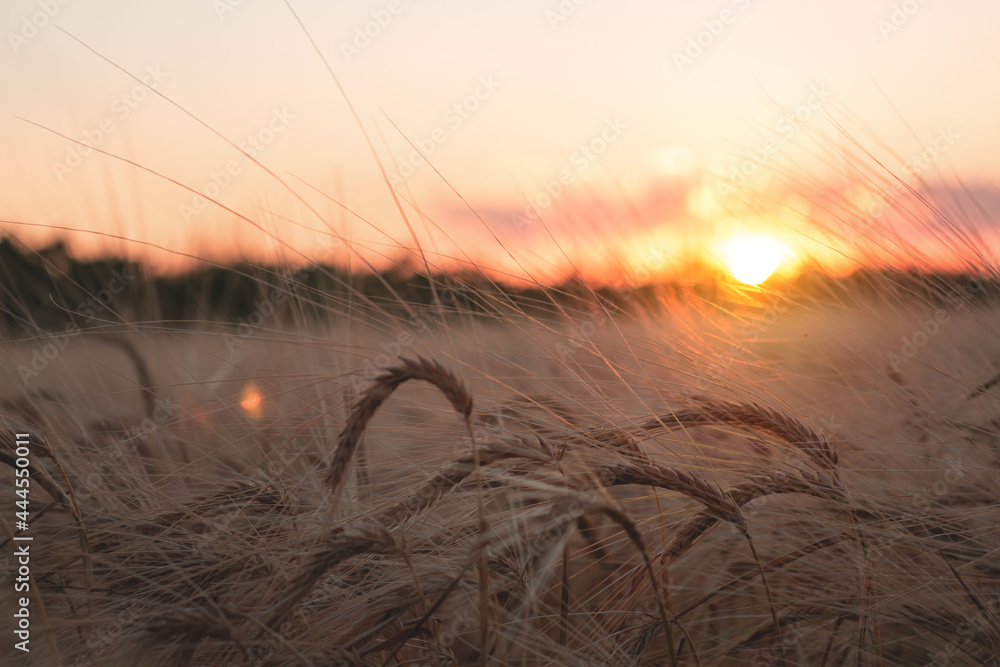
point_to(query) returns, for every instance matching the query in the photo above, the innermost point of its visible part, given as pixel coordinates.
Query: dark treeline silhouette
(49, 290)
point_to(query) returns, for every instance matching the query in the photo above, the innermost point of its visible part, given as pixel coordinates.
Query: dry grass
(615, 519)
(649, 484)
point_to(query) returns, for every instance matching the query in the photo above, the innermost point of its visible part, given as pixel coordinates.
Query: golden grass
(609, 514)
(742, 480)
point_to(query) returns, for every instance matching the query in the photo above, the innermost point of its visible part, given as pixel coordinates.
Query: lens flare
(251, 400)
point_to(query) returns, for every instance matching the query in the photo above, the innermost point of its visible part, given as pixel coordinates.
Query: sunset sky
(584, 132)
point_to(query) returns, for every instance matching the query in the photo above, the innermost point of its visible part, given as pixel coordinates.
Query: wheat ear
(380, 390)
(748, 416)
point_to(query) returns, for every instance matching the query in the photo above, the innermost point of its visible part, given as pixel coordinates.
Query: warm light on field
(751, 259)
(251, 400)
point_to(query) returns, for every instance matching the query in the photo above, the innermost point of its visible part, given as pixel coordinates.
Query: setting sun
(751, 259)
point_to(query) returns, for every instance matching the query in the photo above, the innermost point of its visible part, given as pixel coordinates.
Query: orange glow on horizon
(562, 172)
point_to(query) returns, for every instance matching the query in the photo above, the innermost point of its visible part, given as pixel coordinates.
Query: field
(791, 476)
(324, 344)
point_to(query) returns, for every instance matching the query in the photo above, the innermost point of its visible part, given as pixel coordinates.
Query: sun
(752, 258)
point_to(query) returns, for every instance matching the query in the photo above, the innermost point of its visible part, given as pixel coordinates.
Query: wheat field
(312, 463)
(505, 489)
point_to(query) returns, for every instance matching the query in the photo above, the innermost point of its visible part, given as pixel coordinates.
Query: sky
(532, 137)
